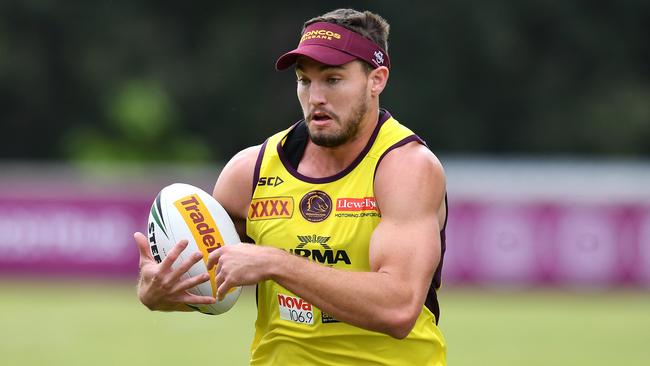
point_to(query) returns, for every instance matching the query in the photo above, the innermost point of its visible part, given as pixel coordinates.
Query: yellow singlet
(327, 220)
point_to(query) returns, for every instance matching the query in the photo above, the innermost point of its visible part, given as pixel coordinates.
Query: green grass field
(103, 324)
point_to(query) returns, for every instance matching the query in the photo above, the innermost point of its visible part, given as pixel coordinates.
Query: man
(347, 210)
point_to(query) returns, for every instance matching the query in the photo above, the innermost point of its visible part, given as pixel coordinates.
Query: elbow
(402, 322)
(401, 330)
(399, 333)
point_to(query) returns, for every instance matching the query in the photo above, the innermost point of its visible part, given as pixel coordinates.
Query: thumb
(143, 247)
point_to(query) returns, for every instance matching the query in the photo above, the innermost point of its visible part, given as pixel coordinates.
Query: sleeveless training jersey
(327, 220)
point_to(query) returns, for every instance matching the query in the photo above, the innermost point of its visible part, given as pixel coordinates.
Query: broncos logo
(315, 206)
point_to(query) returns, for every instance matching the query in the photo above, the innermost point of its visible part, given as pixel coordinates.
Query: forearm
(369, 300)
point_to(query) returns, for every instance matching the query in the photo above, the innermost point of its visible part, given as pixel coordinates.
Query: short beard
(351, 127)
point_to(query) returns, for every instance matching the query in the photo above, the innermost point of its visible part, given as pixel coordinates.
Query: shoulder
(415, 159)
(234, 186)
(410, 173)
(243, 161)
(241, 166)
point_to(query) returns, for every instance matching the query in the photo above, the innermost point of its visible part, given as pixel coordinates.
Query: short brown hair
(367, 24)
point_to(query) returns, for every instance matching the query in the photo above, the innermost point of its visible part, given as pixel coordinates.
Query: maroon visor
(334, 45)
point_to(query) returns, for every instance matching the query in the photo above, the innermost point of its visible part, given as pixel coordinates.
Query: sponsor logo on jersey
(323, 254)
(357, 215)
(204, 230)
(269, 181)
(315, 206)
(313, 239)
(356, 204)
(271, 208)
(327, 256)
(295, 309)
(326, 318)
(357, 207)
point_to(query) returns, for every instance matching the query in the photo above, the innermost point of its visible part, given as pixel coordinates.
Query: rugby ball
(181, 211)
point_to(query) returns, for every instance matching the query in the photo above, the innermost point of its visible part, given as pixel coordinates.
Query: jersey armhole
(258, 167)
(399, 143)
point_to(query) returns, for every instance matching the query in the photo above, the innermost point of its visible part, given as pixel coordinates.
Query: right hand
(161, 286)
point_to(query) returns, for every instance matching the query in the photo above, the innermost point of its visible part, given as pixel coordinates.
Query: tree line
(195, 81)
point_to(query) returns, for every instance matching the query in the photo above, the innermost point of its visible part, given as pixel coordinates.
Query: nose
(316, 94)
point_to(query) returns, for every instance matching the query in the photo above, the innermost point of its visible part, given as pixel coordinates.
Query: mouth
(320, 117)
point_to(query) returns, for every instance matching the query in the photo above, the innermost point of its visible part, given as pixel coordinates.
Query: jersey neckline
(384, 115)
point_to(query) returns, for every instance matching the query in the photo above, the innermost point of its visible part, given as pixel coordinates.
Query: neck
(320, 162)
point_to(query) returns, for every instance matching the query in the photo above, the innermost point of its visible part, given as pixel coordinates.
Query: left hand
(243, 264)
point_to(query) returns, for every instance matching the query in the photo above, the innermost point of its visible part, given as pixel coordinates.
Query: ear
(378, 78)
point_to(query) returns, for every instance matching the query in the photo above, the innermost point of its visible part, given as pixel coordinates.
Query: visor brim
(322, 54)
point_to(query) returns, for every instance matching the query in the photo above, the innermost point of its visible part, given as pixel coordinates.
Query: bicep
(410, 189)
(408, 250)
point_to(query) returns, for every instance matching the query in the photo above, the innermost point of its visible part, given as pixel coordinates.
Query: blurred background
(539, 111)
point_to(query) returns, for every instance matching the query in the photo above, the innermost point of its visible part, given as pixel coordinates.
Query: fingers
(186, 265)
(143, 246)
(213, 258)
(188, 298)
(222, 290)
(173, 254)
(191, 282)
(219, 279)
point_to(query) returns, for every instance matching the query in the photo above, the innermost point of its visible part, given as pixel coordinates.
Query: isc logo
(269, 181)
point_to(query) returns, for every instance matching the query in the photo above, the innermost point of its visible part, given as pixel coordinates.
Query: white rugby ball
(181, 211)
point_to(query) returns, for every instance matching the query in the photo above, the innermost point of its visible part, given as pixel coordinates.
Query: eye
(333, 80)
(302, 81)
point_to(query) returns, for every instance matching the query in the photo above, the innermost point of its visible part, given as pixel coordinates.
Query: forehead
(306, 65)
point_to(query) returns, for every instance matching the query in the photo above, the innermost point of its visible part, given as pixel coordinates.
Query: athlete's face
(334, 100)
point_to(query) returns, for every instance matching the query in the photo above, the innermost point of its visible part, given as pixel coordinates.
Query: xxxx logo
(271, 208)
